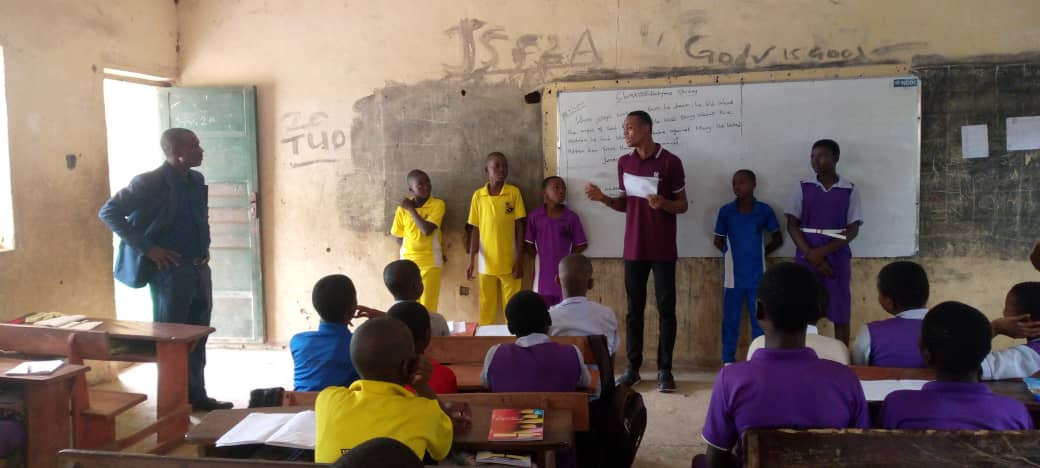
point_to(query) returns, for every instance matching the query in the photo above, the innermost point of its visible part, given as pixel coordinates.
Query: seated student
(380, 452)
(404, 281)
(12, 437)
(576, 315)
(321, 358)
(902, 292)
(378, 405)
(1021, 360)
(533, 363)
(415, 316)
(784, 384)
(954, 340)
(824, 346)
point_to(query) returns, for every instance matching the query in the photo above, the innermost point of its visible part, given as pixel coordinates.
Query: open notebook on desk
(877, 390)
(293, 430)
(35, 367)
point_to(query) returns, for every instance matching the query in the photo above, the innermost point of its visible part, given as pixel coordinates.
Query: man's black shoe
(630, 377)
(210, 404)
(665, 381)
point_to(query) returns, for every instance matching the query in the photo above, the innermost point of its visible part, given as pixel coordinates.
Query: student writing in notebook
(403, 278)
(379, 405)
(903, 292)
(955, 338)
(414, 315)
(785, 384)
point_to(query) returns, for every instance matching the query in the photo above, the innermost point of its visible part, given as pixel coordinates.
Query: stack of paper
(293, 430)
(36, 367)
(877, 390)
(493, 330)
(72, 322)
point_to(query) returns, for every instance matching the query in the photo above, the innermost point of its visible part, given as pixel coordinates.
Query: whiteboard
(766, 127)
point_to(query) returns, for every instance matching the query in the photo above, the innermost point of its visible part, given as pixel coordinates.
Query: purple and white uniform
(953, 406)
(554, 239)
(761, 393)
(832, 210)
(891, 342)
(1015, 362)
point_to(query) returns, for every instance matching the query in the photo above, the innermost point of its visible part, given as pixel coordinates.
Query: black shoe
(665, 381)
(630, 377)
(210, 404)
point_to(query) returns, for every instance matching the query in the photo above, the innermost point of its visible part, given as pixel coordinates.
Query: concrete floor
(673, 424)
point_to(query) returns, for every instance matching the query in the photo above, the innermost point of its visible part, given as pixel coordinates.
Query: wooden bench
(876, 447)
(465, 356)
(93, 411)
(71, 458)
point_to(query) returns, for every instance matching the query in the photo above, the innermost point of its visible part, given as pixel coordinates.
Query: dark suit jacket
(141, 213)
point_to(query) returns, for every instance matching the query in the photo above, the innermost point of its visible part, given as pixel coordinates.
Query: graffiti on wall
(309, 138)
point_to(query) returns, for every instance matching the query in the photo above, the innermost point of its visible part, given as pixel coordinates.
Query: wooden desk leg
(48, 421)
(172, 363)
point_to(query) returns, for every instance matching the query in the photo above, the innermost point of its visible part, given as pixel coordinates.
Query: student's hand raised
(594, 193)
(1022, 326)
(460, 414)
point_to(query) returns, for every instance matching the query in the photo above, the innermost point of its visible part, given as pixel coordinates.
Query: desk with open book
(47, 400)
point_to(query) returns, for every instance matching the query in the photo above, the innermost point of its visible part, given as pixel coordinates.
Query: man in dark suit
(162, 219)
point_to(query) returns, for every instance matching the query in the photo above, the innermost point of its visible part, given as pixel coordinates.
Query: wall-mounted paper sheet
(974, 141)
(1023, 133)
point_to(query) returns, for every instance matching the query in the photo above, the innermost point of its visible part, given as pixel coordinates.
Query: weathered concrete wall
(55, 52)
(390, 85)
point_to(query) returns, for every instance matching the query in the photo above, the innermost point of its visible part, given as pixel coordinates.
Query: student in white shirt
(826, 347)
(576, 315)
(1020, 360)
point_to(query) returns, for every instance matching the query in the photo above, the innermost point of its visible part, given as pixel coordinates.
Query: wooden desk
(559, 430)
(892, 373)
(166, 344)
(48, 415)
(468, 378)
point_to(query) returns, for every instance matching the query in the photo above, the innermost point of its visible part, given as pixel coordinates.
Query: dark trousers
(637, 272)
(184, 294)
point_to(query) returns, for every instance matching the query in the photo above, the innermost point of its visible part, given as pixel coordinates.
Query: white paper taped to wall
(1023, 133)
(974, 141)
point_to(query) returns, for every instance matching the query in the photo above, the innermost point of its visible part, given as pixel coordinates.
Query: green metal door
(225, 121)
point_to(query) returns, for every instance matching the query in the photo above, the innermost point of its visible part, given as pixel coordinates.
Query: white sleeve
(855, 213)
(1011, 363)
(756, 344)
(794, 202)
(487, 363)
(586, 379)
(861, 347)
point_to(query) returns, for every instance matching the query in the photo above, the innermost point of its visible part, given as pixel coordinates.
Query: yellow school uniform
(495, 216)
(425, 250)
(347, 417)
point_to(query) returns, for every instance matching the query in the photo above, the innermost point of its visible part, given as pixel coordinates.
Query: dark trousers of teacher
(184, 294)
(637, 272)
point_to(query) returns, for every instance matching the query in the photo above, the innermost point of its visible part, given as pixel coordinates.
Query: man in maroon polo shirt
(653, 192)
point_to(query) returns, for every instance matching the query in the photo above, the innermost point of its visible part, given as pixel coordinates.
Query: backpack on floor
(625, 426)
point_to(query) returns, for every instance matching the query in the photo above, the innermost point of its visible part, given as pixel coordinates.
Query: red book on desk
(516, 424)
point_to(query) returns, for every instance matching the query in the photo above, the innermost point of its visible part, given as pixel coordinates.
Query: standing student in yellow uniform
(417, 226)
(497, 214)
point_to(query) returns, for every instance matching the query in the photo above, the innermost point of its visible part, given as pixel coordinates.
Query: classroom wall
(352, 94)
(55, 52)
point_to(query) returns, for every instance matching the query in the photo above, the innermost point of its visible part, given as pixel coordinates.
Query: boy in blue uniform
(738, 234)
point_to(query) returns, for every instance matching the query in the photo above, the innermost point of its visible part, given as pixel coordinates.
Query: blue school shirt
(745, 252)
(321, 358)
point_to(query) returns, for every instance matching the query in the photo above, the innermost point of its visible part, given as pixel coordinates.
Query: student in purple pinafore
(553, 232)
(533, 363)
(955, 338)
(902, 292)
(1022, 301)
(784, 384)
(823, 216)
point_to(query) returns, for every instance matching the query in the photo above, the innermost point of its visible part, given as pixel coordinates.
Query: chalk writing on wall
(753, 55)
(310, 140)
(490, 50)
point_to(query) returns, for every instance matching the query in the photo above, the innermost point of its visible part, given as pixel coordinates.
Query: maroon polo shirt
(650, 233)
